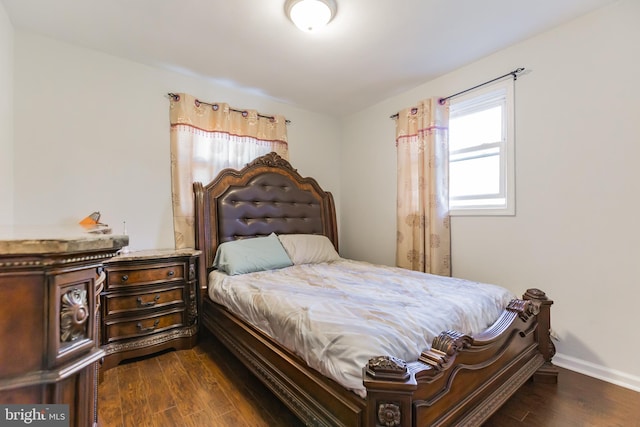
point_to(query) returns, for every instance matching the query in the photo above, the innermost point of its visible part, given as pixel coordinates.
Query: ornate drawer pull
(149, 303)
(171, 273)
(150, 328)
(125, 278)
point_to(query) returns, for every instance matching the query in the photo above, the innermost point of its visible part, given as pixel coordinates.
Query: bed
(461, 379)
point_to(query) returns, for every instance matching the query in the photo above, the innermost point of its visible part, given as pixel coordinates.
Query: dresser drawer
(156, 273)
(120, 329)
(130, 303)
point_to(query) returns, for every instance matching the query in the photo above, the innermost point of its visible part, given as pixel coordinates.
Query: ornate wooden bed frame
(461, 380)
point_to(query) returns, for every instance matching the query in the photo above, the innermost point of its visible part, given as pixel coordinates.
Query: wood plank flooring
(206, 386)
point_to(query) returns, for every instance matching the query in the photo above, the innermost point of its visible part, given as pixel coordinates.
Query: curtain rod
(513, 73)
(176, 97)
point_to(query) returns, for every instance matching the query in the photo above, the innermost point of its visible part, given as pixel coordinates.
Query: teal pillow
(249, 255)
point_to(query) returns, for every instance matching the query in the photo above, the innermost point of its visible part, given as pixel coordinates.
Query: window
(481, 152)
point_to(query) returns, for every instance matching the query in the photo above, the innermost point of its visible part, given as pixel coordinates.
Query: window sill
(483, 212)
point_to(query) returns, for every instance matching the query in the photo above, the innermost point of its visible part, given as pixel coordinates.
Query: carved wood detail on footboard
(463, 380)
(547, 373)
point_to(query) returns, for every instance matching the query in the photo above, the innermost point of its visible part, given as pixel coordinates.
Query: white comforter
(338, 315)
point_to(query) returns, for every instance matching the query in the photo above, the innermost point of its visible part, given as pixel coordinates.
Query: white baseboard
(597, 371)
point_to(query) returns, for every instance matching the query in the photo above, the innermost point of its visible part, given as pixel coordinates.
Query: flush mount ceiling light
(310, 15)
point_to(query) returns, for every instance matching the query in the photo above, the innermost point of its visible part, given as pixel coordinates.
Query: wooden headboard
(266, 196)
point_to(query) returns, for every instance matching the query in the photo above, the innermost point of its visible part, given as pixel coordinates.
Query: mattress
(337, 315)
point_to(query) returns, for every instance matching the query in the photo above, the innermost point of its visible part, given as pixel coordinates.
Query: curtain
(423, 232)
(206, 138)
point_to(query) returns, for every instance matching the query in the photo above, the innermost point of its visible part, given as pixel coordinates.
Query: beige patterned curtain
(206, 138)
(424, 238)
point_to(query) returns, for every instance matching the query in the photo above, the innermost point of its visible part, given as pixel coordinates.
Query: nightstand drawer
(124, 328)
(144, 276)
(130, 303)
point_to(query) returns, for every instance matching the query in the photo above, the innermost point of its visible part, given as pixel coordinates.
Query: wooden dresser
(50, 279)
(149, 304)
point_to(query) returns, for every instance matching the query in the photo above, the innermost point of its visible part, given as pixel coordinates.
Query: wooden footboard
(463, 380)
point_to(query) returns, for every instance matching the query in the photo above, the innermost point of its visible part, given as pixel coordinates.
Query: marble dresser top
(22, 240)
(154, 254)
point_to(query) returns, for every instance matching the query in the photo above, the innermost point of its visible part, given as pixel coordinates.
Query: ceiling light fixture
(310, 15)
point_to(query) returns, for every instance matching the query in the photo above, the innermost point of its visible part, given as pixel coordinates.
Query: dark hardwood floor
(205, 386)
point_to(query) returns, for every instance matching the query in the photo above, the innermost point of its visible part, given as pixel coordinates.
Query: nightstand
(149, 304)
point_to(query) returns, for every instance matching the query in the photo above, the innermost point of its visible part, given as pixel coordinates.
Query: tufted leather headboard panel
(269, 203)
(266, 196)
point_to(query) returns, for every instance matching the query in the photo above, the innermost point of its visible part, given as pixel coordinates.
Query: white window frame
(478, 100)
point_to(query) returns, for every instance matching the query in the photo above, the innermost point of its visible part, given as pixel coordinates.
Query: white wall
(92, 133)
(575, 234)
(6, 118)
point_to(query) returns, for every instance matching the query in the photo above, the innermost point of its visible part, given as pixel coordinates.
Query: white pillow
(308, 248)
